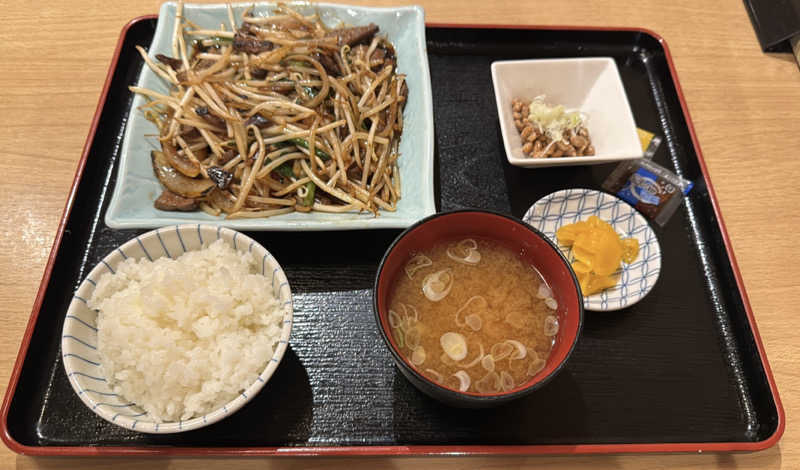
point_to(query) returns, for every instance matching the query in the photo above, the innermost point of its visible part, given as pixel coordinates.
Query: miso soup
(473, 316)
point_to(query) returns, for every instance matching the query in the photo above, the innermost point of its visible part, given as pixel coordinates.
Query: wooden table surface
(744, 105)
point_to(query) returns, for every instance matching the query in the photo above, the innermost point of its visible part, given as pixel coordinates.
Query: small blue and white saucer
(572, 205)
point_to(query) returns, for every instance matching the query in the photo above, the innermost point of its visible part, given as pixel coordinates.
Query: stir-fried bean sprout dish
(278, 114)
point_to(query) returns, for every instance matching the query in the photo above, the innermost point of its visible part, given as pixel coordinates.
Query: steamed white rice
(181, 338)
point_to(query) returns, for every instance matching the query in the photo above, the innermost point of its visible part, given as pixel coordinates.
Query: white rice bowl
(183, 340)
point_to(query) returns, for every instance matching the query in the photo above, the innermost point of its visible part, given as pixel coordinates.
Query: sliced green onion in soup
(520, 349)
(399, 338)
(418, 356)
(506, 381)
(451, 381)
(446, 360)
(437, 285)
(489, 383)
(415, 264)
(474, 322)
(488, 362)
(394, 319)
(534, 356)
(454, 345)
(436, 375)
(474, 298)
(464, 380)
(413, 338)
(501, 350)
(469, 249)
(536, 366)
(476, 360)
(544, 291)
(550, 325)
(413, 310)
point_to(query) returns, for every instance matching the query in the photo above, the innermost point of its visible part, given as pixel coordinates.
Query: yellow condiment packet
(649, 142)
(645, 137)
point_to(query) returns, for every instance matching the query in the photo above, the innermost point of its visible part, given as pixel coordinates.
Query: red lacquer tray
(683, 370)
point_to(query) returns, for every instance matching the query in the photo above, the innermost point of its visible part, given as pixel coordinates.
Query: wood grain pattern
(743, 103)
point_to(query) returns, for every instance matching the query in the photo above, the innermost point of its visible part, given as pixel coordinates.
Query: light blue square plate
(137, 188)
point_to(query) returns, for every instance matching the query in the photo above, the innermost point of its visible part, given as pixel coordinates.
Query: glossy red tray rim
(129, 451)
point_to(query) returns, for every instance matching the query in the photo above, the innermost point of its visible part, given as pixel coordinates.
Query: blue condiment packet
(649, 187)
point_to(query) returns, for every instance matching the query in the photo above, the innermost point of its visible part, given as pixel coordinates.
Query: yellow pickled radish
(609, 254)
(598, 252)
(581, 267)
(600, 283)
(566, 235)
(595, 222)
(583, 281)
(582, 254)
(630, 250)
(604, 247)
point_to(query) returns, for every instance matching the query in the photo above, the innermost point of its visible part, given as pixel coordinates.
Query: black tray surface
(680, 366)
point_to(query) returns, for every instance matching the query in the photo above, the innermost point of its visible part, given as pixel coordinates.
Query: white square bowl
(591, 85)
(137, 188)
